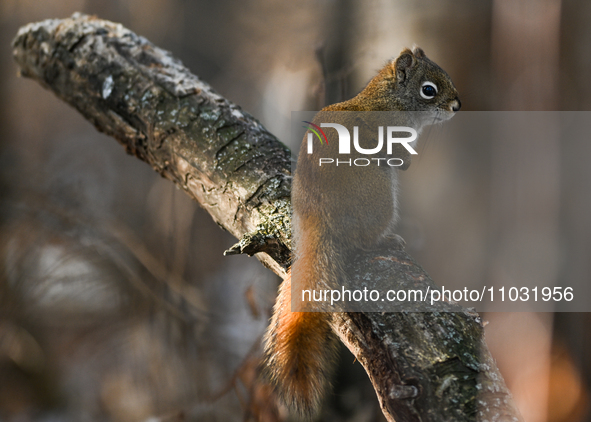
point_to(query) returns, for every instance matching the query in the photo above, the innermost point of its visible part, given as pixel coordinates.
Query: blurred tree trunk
(525, 52)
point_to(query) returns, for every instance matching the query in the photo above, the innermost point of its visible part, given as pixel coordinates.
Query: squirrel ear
(405, 61)
(418, 52)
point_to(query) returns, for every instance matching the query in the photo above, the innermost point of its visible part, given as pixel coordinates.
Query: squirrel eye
(428, 90)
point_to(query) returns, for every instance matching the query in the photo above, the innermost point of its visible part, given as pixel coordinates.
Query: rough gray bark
(424, 366)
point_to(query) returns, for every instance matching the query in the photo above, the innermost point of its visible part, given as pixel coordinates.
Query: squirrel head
(412, 82)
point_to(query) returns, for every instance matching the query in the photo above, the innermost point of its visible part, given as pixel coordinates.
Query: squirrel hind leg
(300, 350)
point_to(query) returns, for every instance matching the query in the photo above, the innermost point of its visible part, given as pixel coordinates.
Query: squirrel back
(336, 213)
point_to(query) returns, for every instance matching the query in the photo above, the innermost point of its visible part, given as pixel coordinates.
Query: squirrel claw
(395, 241)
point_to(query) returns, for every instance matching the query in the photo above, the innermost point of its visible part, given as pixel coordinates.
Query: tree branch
(424, 366)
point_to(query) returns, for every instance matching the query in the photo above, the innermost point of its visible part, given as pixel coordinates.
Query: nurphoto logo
(344, 144)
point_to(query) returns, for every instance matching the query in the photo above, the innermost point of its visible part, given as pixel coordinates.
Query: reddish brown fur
(299, 355)
(299, 346)
(337, 213)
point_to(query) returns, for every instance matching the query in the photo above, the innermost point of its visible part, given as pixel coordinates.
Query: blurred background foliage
(116, 303)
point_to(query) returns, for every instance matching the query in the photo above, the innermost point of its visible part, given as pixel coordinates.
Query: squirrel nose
(456, 105)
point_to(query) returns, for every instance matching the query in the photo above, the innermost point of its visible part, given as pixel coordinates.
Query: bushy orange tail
(299, 351)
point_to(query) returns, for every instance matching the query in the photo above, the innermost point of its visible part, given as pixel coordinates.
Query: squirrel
(334, 216)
